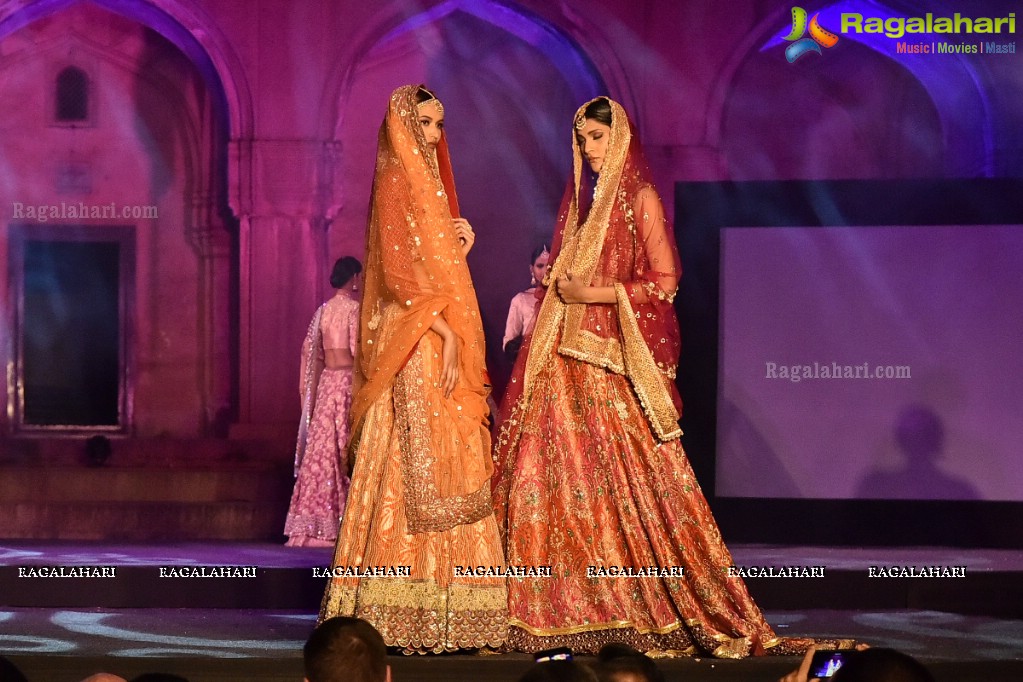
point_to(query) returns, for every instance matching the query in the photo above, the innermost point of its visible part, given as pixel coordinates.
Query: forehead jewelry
(580, 121)
(432, 100)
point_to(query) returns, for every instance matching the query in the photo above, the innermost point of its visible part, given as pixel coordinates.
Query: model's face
(539, 267)
(592, 140)
(432, 120)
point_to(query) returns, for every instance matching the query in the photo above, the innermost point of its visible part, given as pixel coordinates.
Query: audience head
(621, 663)
(156, 677)
(9, 671)
(98, 677)
(559, 671)
(344, 269)
(348, 649)
(882, 665)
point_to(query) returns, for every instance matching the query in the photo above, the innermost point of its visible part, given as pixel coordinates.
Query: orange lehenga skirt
(436, 607)
(591, 493)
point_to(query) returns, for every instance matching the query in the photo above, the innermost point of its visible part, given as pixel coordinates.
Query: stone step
(143, 521)
(148, 489)
(136, 484)
(168, 452)
(71, 451)
(294, 578)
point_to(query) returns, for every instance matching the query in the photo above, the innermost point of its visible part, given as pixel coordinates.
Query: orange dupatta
(415, 271)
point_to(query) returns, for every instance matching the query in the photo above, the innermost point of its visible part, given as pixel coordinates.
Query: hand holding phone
(826, 663)
(814, 666)
(560, 654)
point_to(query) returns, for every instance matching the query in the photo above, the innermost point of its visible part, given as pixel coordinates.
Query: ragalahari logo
(819, 36)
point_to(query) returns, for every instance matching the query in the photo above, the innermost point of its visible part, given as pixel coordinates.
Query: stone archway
(510, 83)
(195, 147)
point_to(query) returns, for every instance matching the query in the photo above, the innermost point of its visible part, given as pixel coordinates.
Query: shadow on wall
(920, 436)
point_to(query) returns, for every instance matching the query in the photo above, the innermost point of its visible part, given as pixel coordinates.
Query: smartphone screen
(826, 663)
(559, 654)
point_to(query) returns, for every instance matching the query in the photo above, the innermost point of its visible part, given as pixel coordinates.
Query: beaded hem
(676, 643)
(421, 617)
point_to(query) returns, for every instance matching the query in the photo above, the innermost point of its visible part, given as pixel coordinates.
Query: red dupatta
(624, 241)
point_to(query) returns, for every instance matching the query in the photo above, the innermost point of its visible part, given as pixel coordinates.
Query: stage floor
(21, 552)
(64, 642)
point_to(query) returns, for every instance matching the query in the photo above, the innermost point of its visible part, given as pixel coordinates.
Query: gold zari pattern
(425, 508)
(422, 617)
(646, 378)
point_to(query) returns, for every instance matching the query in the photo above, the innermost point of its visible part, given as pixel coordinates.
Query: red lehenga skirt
(585, 488)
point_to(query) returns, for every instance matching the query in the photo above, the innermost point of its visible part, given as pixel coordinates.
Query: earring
(532, 281)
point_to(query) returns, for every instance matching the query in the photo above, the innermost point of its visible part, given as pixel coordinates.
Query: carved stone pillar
(278, 197)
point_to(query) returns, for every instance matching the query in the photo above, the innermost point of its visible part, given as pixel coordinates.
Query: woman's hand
(802, 672)
(449, 364)
(574, 291)
(570, 290)
(463, 230)
(448, 354)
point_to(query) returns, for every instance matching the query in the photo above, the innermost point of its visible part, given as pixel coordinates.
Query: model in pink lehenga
(321, 469)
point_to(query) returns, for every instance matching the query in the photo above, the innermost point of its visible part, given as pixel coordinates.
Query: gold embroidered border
(421, 616)
(425, 510)
(338, 600)
(642, 371)
(677, 643)
(603, 352)
(593, 627)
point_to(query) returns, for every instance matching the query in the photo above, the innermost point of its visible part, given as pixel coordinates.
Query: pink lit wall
(251, 127)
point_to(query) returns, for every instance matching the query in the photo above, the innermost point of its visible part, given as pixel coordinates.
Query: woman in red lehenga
(592, 478)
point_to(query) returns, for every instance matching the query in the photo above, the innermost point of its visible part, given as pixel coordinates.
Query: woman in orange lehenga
(592, 479)
(420, 498)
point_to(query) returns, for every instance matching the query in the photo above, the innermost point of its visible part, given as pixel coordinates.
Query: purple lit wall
(937, 306)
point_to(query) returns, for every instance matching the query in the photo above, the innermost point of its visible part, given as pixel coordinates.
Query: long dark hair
(599, 110)
(345, 268)
(424, 95)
